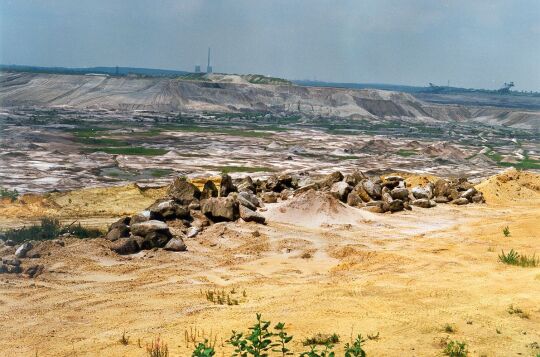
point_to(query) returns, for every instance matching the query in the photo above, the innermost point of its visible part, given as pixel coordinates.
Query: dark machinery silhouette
(506, 88)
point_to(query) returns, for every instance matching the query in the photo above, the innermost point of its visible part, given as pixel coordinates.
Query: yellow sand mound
(91, 202)
(511, 186)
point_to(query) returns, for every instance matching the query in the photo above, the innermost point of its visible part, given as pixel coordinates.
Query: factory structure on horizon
(208, 66)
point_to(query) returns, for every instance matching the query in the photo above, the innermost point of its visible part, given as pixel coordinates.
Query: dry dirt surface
(403, 276)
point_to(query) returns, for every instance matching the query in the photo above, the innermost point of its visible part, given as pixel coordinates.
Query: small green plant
(314, 352)
(49, 228)
(506, 231)
(124, 340)
(321, 339)
(355, 350)
(7, 193)
(514, 310)
(448, 328)
(455, 349)
(283, 338)
(203, 349)
(257, 343)
(220, 297)
(157, 348)
(514, 258)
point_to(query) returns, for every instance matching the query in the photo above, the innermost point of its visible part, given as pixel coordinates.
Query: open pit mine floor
(402, 277)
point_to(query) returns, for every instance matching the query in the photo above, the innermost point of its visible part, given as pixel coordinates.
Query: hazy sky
(472, 43)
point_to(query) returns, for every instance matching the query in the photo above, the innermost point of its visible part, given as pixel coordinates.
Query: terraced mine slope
(228, 93)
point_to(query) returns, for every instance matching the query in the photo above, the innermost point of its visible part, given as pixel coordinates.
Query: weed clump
(514, 258)
(321, 339)
(514, 310)
(455, 349)
(124, 340)
(157, 348)
(7, 193)
(506, 231)
(49, 228)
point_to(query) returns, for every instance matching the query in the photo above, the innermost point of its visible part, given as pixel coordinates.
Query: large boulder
(242, 201)
(395, 206)
(249, 215)
(340, 190)
(441, 188)
(421, 192)
(424, 203)
(354, 178)
(119, 229)
(226, 186)
(400, 193)
(361, 192)
(331, 179)
(169, 209)
(246, 185)
(124, 246)
(354, 200)
(375, 206)
(144, 229)
(250, 197)
(142, 216)
(176, 244)
(183, 191)
(269, 197)
(468, 194)
(23, 249)
(460, 201)
(374, 190)
(391, 181)
(209, 190)
(221, 208)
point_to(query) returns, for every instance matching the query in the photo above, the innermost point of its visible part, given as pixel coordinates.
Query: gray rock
(460, 201)
(424, 203)
(209, 190)
(34, 270)
(269, 197)
(374, 190)
(220, 208)
(354, 178)
(192, 232)
(125, 246)
(420, 192)
(145, 228)
(242, 201)
(13, 269)
(340, 190)
(441, 188)
(226, 186)
(182, 191)
(399, 193)
(469, 193)
(141, 217)
(441, 199)
(246, 185)
(11, 260)
(9, 243)
(251, 216)
(176, 244)
(478, 198)
(117, 233)
(331, 179)
(354, 200)
(395, 206)
(251, 198)
(23, 249)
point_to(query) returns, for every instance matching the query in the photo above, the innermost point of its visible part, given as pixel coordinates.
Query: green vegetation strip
(137, 150)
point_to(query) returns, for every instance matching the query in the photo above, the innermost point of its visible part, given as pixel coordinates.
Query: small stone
(23, 249)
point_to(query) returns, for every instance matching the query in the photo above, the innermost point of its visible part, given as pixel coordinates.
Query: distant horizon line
(179, 71)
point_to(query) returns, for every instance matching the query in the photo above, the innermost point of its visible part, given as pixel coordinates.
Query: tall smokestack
(208, 67)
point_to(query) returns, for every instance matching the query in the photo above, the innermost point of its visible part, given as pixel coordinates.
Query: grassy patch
(455, 349)
(321, 339)
(160, 172)
(525, 164)
(231, 169)
(132, 150)
(101, 141)
(49, 228)
(514, 258)
(7, 193)
(406, 153)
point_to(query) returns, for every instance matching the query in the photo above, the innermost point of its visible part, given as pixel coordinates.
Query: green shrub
(203, 349)
(321, 339)
(256, 343)
(49, 228)
(355, 350)
(7, 193)
(313, 352)
(455, 349)
(514, 258)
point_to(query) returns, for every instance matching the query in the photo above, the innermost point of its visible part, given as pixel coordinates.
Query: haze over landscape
(478, 44)
(319, 189)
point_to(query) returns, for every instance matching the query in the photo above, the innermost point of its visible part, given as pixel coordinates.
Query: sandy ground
(402, 275)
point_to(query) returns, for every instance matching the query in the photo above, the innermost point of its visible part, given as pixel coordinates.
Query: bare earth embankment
(317, 265)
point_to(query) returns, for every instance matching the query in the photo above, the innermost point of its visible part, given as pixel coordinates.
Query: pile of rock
(189, 210)
(12, 263)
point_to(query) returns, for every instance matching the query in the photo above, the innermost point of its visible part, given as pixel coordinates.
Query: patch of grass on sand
(160, 172)
(406, 153)
(514, 258)
(49, 228)
(231, 169)
(137, 150)
(242, 132)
